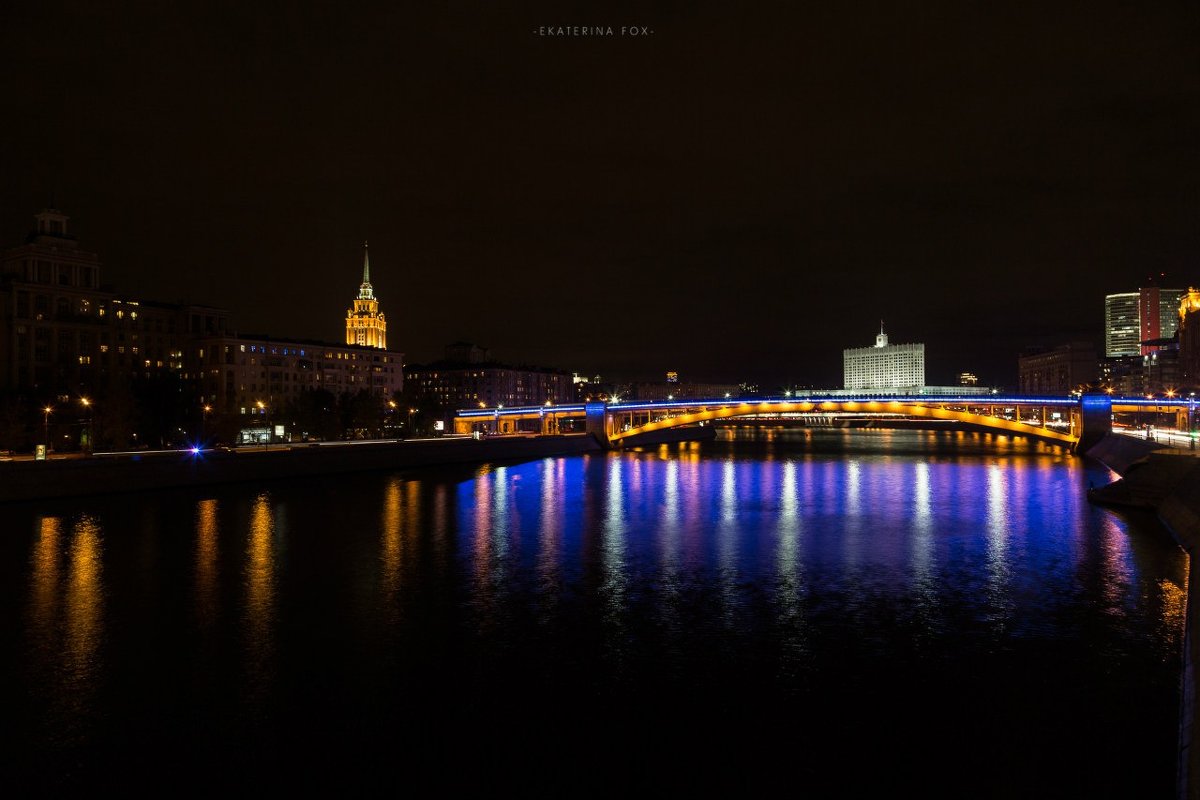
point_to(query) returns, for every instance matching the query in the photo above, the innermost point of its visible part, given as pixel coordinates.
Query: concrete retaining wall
(35, 480)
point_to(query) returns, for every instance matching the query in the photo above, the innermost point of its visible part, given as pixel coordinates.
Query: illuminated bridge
(1065, 420)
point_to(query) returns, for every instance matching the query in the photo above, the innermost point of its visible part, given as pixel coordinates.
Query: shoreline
(1167, 482)
(23, 481)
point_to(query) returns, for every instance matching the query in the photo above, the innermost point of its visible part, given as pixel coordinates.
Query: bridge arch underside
(884, 409)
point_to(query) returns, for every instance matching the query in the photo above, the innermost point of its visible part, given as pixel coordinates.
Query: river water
(826, 613)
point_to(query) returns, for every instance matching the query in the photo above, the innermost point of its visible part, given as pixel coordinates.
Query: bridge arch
(616, 433)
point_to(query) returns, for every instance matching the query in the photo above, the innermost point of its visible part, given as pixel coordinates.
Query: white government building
(884, 366)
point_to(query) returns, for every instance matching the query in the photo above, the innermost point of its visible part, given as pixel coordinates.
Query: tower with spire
(365, 323)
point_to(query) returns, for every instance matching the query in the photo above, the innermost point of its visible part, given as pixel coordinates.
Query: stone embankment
(1167, 481)
(70, 477)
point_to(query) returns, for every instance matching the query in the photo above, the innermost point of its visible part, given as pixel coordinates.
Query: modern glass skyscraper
(1122, 325)
(1131, 318)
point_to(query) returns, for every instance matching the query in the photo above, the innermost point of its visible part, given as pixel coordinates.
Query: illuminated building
(238, 371)
(1122, 325)
(1058, 370)
(365, 323)
(1133, 319)
(968, 379)
(884, 366)
(1189, 339)
(61, 333)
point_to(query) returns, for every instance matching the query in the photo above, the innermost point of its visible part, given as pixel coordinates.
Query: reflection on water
(259, 609)
(958, 580)
(44, 597)
(207, 576)
(393, 541)
(84, 607)
(66, 623)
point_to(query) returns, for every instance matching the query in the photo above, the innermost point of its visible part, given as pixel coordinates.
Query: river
(839, 613)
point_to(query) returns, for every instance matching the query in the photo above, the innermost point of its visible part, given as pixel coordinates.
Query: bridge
(1073, 421)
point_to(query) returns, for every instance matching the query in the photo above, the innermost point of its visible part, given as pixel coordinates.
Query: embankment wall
(35, 480)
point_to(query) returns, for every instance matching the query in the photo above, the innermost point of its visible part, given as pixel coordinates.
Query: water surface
(833, 612)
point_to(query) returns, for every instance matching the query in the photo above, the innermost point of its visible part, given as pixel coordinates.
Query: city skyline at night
(585, 476)
(979, 178)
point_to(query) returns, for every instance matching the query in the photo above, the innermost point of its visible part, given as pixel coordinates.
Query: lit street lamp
(204, 411)
(46, 427)
(87, 430)
(263, 409)
(1191, 412)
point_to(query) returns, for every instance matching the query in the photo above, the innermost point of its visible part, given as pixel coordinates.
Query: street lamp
(87, 431)
(204, 412)
(1191, 412)
(411, 411)
(46, 427)
(262, 409)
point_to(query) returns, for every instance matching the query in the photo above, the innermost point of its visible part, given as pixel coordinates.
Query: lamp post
(264, 410)
(46, 427)
(1191, 412)
(87, 430)
(204, 411)
(411, 411)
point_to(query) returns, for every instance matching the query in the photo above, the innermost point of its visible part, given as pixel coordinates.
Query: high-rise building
(884, 366)
(1122, 325)
(1158, 310)
(1189, 339)
(365, 323)
(1134, 318)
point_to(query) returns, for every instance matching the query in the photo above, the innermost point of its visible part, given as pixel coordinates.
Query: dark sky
(740, 194)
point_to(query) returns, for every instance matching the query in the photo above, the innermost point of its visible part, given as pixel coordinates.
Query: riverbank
(37, 480)
(1166, 480)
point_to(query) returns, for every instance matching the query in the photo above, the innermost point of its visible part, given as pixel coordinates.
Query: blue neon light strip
(491, 412)
(923, 400)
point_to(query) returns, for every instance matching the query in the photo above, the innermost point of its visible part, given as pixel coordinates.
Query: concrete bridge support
(1095, 420)
(597, 422)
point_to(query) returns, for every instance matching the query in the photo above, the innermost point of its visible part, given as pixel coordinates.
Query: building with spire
(884, 366)
(365, 323)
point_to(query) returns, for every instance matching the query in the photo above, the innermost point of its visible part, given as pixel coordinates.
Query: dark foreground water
(810, 613)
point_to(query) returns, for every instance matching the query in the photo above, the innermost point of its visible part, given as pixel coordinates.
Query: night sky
(737, 195)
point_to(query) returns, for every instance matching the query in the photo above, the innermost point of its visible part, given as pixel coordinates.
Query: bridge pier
(1095, 420)
(597, 422)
